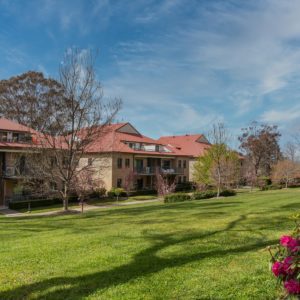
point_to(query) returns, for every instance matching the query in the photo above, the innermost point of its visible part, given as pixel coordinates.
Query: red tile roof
(113, 141)
(6, 124)
(190, 145)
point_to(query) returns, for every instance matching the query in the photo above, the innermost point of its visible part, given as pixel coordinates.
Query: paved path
(12, 213)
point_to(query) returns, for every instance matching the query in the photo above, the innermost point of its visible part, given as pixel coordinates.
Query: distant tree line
(260, 161)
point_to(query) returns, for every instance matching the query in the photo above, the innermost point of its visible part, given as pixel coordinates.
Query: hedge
(112, 193)
(185, 187)
(177, 197)
(228, 193)
(271, 187)
(18, 204)
(204, 195)
(142, 192)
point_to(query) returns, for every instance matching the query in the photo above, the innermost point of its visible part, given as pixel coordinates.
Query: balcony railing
(154, 170)
(15, 172)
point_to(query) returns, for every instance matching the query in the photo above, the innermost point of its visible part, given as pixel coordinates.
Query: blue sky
(178, 65)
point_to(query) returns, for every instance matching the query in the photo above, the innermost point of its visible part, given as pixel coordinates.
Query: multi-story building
(192, 145)
(15, 139)
(121, 152)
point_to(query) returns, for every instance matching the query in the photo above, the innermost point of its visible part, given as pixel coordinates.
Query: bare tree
(259, 143)
(129, 181)
(64, 142)
(290, 151)
(163, 186)
(84, 184)
(285, 171)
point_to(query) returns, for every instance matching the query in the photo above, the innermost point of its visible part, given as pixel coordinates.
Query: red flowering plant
(286, 262)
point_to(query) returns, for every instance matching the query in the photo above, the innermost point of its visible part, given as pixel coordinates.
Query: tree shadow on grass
(143, 263)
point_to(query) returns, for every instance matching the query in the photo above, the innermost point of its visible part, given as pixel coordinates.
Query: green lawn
(205, 249)
(97, 202)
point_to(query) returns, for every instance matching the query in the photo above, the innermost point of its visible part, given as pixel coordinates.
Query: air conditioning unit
(9, 137)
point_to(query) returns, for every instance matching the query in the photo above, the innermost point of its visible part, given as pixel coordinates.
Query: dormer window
(15, 137)
(3, 136)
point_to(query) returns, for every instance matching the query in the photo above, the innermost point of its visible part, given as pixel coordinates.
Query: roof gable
(128, 128)
(202, 139)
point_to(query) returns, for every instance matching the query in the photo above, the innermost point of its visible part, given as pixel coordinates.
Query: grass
(205, 249)
(143, 197)
(39, 209)
(99, 202)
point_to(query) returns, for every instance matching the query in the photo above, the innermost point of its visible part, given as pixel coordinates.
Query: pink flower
(277, 268)
(292, 286)
(289, 242)
(287, 264)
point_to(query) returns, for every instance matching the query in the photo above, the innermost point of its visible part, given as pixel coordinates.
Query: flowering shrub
(286, 262)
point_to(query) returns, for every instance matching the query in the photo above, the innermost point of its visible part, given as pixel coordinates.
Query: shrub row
(179, 197)
(34, 203)
(271, 187)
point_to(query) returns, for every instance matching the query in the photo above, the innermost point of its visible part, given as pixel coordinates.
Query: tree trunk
(219, 184)
(65, 199)
(66, 203)
(286, 184)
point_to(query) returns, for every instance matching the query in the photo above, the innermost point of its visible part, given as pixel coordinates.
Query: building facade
(15, 140)
(121, 157)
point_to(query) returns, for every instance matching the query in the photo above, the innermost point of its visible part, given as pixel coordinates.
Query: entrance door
(140, 183)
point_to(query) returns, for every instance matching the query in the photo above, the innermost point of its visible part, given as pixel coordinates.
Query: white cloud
(225, 61)
(283, 115)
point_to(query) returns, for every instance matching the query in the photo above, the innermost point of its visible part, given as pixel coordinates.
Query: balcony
(13, 172)
(153, 170)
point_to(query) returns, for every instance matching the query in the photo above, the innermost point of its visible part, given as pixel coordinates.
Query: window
(127, 162)
(179, 164)
(15, 137)
(65, 161)
(179, 179)
(119, 163)
(53, 161)
(90, 161)
(53, 186)
(4, 136)
(184, 164)
(166, 164)
(119, 182)
(184, 178)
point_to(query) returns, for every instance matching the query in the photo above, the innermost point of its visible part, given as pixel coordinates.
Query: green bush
(184, 187)
(38, 202)
(177, 197)
(204, 195)
(116, 192)
(142, 192)
(34, 203)
(212, 194)
(271, 187)
(228, 193)
(98, 193)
